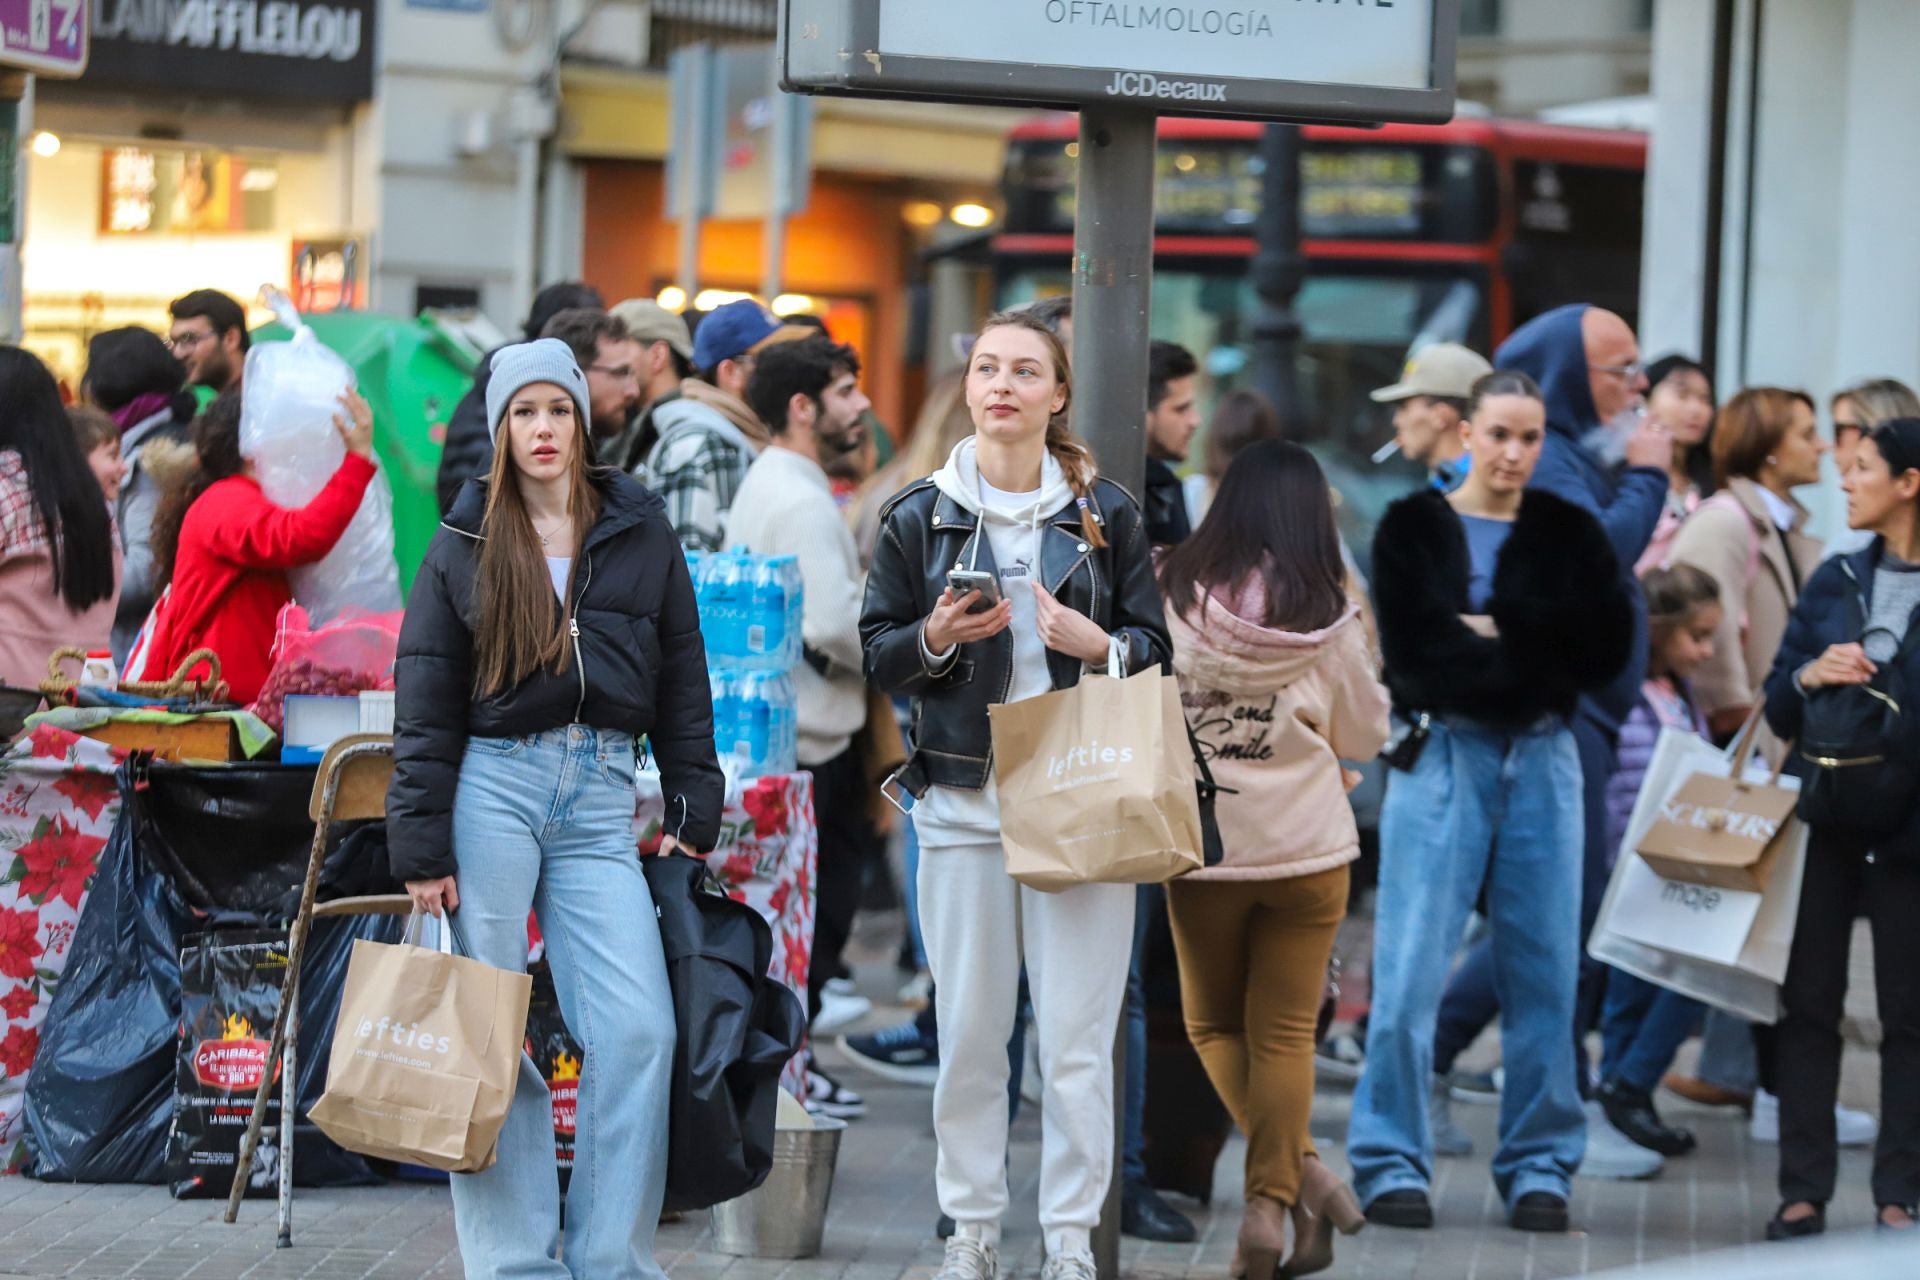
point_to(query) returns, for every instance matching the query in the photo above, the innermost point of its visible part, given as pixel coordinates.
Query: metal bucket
(785, 1216)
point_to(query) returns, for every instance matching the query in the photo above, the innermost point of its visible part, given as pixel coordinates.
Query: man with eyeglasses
(610, 357)
(209, 337)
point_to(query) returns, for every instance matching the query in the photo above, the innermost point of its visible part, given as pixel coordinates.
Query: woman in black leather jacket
(1018, 501)
(552, 624)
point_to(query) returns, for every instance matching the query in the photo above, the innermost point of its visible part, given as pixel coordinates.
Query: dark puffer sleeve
(433, 686)
(682, 735)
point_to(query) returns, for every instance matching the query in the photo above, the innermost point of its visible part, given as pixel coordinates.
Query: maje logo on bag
(237, 1060)
(564, 1084)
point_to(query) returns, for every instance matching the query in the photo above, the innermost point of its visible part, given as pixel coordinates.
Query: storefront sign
(1338, 60)
(184, 192)
(326, 273)
(290, 50)
(45, 36)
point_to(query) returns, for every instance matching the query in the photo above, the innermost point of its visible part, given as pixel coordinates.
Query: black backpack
(1860, 748)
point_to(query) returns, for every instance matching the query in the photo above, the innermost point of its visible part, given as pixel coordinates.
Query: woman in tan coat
(1280, 684)
(1749, 537)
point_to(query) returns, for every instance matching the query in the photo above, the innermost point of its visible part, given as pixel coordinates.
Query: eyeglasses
(619, 373)
(1625, 372)
(188, 341)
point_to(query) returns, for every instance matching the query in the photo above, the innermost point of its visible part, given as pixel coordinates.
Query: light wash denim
(1503, 808)
(545, 823)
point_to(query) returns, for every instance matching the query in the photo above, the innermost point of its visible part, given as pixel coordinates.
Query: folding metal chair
(351, 785)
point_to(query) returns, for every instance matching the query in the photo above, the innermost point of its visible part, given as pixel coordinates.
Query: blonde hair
(1878, 400)
(1069, 450)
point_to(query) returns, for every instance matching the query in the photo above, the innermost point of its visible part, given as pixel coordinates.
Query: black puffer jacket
(922, 534)
(640, 666)
(1565, 619)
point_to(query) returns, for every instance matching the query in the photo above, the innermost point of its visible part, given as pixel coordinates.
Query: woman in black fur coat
(1497, 607)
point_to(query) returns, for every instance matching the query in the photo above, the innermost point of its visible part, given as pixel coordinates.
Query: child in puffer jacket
(1643, 1025)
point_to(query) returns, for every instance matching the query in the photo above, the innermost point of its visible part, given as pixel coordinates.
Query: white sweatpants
(979, 925)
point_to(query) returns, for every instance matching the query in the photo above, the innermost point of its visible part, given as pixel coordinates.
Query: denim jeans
(1503, 808)
(1641, 1028)
(546, 823)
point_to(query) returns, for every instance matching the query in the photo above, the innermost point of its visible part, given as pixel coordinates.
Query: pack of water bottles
(750, 611)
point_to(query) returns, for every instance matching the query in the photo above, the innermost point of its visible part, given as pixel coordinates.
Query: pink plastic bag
(342, 658)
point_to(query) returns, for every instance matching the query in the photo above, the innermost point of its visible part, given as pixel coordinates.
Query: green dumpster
(413, 373)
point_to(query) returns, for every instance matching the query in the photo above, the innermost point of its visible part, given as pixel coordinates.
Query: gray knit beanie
(525, 363)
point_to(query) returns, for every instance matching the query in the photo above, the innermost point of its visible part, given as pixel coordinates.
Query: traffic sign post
(48, 37)
(1122, 65)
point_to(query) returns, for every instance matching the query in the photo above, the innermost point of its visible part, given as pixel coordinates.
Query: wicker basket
(60, 687)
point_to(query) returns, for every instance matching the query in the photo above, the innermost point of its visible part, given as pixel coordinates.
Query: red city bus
(1412, 233)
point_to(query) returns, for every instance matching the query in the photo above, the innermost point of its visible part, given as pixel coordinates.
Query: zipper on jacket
(573, 629)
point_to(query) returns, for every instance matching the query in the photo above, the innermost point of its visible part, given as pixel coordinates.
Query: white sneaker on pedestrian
(1851, 1128)
(828, 1097)
(1611, 1154)
(1448, 1138)
(1069, 1266)
(1340, 1058)
(968, 1259)
(839, 1011)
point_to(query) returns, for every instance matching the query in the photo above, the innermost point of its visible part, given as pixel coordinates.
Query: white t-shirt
(558, 567)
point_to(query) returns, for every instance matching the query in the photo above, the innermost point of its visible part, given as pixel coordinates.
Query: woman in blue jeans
(553, 623)
(1497, 608)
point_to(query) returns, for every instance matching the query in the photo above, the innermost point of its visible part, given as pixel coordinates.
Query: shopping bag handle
(1743, 748)
(1116, 657)
(410, 934)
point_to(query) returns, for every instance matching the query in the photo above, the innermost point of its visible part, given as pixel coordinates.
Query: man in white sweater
(808, 393)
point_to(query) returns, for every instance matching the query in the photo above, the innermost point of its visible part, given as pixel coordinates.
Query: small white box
(315, 723)
(376, 711)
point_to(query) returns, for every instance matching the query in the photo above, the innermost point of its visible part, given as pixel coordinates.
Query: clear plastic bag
(292, 392)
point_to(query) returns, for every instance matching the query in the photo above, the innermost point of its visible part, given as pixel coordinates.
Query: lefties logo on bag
(402, 1035)
(1069, 767)
(237, 1060)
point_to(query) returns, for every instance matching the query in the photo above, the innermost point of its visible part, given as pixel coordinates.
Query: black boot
(1145, 1216)
(1540, 1211)
(1407, 1207)
(1631, 1112)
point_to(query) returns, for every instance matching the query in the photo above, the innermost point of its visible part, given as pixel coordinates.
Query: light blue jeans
(545, 823)
(1503, 808)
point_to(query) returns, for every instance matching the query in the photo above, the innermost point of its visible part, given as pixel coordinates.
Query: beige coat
(1756, 592)
(1275, 713)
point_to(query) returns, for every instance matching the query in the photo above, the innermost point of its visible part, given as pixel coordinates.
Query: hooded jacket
(134, 511)
(638, 666)
(926, 531)
(1559, 602)
(1275, 712)
(1551, 350)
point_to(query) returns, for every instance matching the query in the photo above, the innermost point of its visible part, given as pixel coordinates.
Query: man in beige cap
(1429, 402)
(666, 361)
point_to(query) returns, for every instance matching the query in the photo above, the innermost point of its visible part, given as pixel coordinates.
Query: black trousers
(840, 794)
(1841, 883)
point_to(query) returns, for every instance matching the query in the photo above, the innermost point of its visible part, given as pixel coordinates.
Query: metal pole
(1112, 293)
(1278, 269)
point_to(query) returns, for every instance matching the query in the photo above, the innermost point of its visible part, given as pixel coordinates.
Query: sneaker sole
(828, 1025)
(1474, 1097)
(1618, 1173)
(1544, 1221)
(838, 1111)
(1402, 1217)
(924, 1077)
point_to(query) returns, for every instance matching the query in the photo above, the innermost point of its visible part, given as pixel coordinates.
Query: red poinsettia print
(17, 1004)
(59, 863)
(766, 803)
(50, 743)
(90, 792)
(799, 953)
(19, 943)
(17, 1049)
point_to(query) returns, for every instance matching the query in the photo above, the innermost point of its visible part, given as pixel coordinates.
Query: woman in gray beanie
(552, 624)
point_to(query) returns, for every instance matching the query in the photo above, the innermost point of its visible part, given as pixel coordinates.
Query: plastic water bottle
(724, 686)
(724, 590)
(796, 590)
(766, 638)
(768, 732)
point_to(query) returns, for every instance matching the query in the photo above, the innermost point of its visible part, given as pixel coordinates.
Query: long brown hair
(214, 438)
(1069, 450)
(517, 629)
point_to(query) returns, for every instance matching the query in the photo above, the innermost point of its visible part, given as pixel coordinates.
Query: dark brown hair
(1749, 427)
(517, 630)
(215, 436)
(1674, 592)
(1070, 451)
(1242, 418)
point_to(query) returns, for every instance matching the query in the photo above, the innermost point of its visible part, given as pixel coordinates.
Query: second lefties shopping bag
(426, 1055)
(1097, 783)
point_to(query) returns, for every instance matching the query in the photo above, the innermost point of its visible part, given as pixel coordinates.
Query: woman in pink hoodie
(1280, 684)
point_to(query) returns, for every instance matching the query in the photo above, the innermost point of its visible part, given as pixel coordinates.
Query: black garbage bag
(229, 997)
(232, 838)
(99, 1099)
(738, 1027)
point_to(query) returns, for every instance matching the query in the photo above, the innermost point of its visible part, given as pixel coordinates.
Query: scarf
(139, 409)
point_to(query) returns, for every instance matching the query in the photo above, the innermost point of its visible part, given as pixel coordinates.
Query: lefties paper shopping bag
(426, 1055)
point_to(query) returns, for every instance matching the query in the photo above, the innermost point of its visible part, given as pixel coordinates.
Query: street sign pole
(1278, 270)
(1112, 292)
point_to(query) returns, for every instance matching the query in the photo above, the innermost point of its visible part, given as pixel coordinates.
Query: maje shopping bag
(426, 1055)
(1721, 827)
(1097, 783)
(1727, 947)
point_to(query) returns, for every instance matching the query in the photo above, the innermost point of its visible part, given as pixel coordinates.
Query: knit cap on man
(525, 363)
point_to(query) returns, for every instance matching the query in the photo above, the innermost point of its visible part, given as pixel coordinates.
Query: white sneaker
(839, 1011)
(1069, 1266)
(1611, 1154)
(1852, 1128)
(969, 1259)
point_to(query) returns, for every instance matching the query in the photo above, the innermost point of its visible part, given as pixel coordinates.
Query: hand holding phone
(963, 581)
(954, 623)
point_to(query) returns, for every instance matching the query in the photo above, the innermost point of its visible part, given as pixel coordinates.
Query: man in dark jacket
(1173, 415)
(468, 450)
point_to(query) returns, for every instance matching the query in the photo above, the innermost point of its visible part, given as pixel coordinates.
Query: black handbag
(1207, 789)
(737, 1029)
(1861, 762)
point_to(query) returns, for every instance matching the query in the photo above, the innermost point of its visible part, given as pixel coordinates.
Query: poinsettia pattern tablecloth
(58, 803)
(766, 854)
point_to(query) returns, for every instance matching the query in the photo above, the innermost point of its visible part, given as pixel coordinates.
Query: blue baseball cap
(731, 331)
